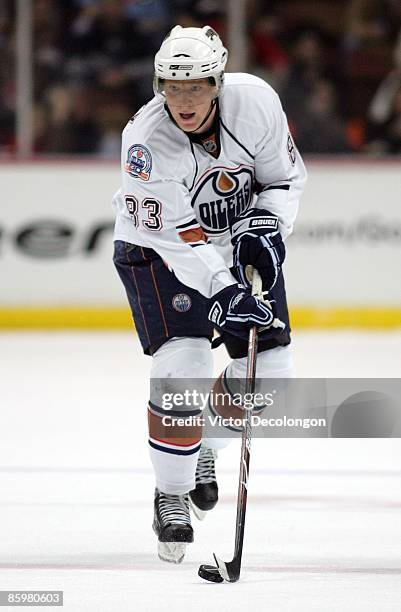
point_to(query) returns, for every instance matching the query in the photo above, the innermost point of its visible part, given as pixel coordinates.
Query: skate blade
(172, 552)
(200, 514)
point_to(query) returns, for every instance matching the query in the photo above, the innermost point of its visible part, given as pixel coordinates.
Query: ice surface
(323, 525)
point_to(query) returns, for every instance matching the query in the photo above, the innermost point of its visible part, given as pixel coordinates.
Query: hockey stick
(230, 570)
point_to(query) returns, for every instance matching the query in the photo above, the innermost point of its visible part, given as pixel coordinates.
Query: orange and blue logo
(181, 302)
(221, 194)
(139, 162)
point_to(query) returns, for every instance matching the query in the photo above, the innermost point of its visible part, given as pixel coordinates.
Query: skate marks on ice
(306, 523)
(323, 528)
(302, 549)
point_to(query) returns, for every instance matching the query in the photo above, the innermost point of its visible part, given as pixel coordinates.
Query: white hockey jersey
(177, 199)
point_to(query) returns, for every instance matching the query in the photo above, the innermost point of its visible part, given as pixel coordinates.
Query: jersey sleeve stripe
(188, 224)
(197, 244)
(285, 187)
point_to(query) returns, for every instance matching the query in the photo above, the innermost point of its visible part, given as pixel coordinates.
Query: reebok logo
(180, 67)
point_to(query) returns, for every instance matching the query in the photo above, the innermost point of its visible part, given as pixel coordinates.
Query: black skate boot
(172, 525)
(205, 495)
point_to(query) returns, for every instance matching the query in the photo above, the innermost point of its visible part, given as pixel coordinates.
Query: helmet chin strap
(212, 107)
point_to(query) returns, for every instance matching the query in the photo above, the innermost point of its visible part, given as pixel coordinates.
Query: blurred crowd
(336, 65)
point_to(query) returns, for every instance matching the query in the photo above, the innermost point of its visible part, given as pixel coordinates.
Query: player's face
(189, 102)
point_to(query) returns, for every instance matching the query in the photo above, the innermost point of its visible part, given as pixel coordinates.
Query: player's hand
(257, 242)
(234, 310)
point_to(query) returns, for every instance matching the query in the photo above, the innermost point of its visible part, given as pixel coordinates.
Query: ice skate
(172, 525)
(205, 495)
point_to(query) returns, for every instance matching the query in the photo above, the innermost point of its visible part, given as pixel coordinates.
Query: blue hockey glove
(234, 310)
(257, 242)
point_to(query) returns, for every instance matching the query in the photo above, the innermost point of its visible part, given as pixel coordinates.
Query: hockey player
(211, 181)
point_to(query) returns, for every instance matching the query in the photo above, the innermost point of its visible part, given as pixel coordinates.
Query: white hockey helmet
(190, 53)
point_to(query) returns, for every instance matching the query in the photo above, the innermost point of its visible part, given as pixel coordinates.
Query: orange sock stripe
(180, 435)
(221, 401)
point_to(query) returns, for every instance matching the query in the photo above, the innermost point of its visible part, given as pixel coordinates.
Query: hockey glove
(257, 242)
(234, 310)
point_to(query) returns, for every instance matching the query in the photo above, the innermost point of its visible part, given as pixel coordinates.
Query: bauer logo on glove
(257, 242)
(270, 222)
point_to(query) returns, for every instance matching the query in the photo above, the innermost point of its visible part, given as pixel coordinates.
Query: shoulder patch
(139, 162)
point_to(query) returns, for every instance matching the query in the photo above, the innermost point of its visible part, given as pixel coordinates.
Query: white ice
(323, 525)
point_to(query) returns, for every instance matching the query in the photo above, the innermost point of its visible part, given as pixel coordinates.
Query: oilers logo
(139, 162)
(181, 302)
(220, 195)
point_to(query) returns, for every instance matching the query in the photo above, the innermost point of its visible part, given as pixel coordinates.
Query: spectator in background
(48, 19)
(269, 55)
(322, 130)
(108, 56)
(197, 13)
(7, 86)
(151, 17)
(384, 113)
(112, 43)
(93, 62)
(368, 22)
(370, 29)
(310, 97)
(71, 125)
(103, 41)
(387, 135)
(305, 69)
(363, 23)
(110, 119)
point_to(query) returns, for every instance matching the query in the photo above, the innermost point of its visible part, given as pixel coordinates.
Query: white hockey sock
(174, 449)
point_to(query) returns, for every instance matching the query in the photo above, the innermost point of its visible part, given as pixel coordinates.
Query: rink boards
(56, 226)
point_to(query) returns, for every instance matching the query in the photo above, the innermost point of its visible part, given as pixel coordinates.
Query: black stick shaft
(230, 570)
(245, 448)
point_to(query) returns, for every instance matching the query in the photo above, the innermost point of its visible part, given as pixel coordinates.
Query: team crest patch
(181, 302)
(139, 162)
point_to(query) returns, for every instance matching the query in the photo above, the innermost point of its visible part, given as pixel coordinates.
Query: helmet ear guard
(190, 53)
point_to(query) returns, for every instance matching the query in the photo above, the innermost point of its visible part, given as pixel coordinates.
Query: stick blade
(229, 570)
